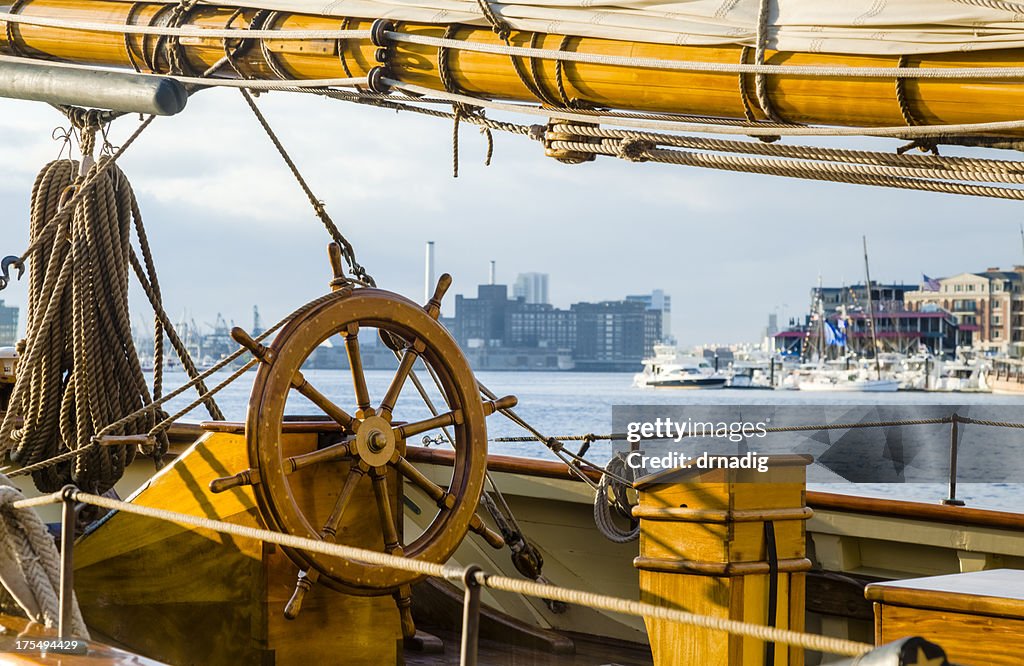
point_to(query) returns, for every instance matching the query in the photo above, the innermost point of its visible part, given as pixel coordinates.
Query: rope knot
(633, 150)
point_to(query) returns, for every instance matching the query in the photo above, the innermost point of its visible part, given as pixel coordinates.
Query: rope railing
(953, 420)
(939, 420)
(472, 575)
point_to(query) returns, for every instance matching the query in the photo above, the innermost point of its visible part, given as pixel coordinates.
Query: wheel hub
(375, 441)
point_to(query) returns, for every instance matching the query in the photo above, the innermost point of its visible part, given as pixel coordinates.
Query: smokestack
(492, 272)
(428, 286)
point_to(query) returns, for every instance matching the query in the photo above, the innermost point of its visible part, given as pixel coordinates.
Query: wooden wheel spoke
(311, 393)
(439, 421)
(387, 405)
(330, 529)
(392, 543)
(355, 363)
(433, 491)
(445, 500)
(332, 453)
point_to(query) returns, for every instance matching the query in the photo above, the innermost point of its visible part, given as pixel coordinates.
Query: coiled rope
(30, 564)
(610, 490)
(80, 370)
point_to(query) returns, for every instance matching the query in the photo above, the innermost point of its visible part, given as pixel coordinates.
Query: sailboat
(287, 540)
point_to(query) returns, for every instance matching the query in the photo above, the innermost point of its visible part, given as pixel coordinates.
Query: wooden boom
(827, 101)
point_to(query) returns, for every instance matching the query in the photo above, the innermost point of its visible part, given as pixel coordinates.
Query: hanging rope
(79, 370)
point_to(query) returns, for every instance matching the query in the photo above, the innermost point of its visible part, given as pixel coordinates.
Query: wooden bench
(977, 617)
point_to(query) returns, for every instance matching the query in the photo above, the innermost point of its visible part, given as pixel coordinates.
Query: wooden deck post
(728, 543)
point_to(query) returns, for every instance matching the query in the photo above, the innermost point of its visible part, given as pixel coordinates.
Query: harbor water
(570, 403)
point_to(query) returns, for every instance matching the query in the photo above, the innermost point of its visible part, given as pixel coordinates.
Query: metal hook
(5, 270)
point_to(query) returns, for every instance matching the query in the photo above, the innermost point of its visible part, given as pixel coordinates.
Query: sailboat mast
(871, 308)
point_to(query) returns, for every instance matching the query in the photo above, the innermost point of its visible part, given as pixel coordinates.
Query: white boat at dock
(669, 368)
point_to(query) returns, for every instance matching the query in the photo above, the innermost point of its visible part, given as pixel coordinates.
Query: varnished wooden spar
(854, 102)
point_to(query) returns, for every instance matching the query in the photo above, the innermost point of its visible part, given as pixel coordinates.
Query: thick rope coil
(603, 504)
(30, 564)
(80, 371)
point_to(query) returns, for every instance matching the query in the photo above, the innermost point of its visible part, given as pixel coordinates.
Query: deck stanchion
(954, 435)
(67, 541)
(470, 616)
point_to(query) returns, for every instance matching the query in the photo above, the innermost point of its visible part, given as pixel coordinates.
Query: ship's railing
(472, 577)
(954, 421)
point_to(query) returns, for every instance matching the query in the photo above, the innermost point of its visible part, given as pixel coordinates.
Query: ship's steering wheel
(370, 451)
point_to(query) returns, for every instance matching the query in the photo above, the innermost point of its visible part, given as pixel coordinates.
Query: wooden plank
(934, 513)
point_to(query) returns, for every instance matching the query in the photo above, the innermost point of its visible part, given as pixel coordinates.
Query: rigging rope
(80, 370)
(347, 251)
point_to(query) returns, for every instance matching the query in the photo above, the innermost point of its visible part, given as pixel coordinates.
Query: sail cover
(858, 27)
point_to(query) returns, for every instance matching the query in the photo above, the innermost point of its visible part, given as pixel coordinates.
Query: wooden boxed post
(706, 546)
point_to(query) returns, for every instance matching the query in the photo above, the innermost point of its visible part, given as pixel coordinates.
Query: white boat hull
(867, 386)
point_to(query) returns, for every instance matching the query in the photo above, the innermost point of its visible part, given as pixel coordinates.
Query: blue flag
(834, 337)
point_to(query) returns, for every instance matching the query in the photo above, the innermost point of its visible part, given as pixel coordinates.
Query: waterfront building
(901, 324)
(661, 302)
(532, 288)
(990, 304)
(888, 296)
(540, 325)
(481, 321)
(8, 325)
(498, 332)
(902, 331)
(614, 335)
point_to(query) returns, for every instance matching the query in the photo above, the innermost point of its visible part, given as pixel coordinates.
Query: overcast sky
(230, 228)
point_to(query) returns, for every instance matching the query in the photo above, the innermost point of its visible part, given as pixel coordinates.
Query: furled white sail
(827, 26)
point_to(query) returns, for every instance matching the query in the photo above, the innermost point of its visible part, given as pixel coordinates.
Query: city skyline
(729, 248)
